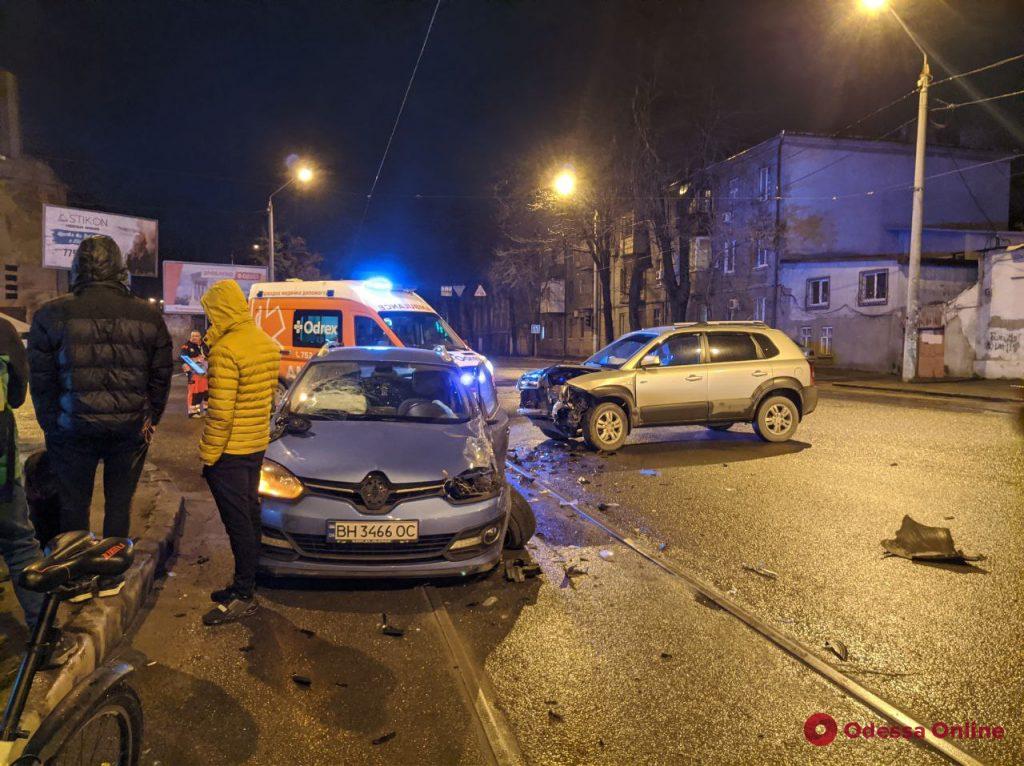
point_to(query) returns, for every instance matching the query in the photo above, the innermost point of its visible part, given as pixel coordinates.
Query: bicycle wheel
(110, 733)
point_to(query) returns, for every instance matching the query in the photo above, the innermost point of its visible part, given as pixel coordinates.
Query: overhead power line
(993, 65)
(948, 107)
(398, 117)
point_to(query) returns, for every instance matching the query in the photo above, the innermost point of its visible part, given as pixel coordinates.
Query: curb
(100, 624)
(948, 394)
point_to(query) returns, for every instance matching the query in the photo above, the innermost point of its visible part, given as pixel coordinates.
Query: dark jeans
(19, 548)
(74, 463)
(234, 482)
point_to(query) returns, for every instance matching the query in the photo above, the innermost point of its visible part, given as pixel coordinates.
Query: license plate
(373, 531)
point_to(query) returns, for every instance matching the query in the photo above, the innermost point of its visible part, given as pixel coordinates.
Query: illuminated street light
(873, 6)
(304, 175)
(255, 245)
(564, 183)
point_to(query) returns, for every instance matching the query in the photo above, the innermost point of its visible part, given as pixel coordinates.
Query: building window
(762, 256)
(729, 257)
(705, 315)
(727, 216)
(760, 309)
(805, 337)
(825, 347)
(734, 188)
(764, 179)
(874, 287)
(657, 316)
(817, 293)
(11, 282)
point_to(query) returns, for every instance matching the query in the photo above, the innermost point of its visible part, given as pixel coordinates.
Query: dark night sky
(185, 110)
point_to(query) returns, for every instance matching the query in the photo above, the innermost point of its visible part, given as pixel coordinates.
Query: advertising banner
(186, 281)
(65, 227)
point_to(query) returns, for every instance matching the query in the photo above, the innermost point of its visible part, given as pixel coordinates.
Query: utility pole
(594, 318)
(916, 225)
(270, 235)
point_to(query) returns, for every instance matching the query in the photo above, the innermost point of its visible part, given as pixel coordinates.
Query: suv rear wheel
(605, 427)
(776, 420)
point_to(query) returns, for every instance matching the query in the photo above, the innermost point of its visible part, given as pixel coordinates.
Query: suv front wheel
(776, 420)
(605, 427)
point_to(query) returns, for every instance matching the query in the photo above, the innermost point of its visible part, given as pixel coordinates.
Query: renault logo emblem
(375, 491)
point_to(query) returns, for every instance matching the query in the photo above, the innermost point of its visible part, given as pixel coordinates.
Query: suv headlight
(277, 481)
(474, 484)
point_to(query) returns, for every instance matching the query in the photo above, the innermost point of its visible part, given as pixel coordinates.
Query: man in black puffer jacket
(100, 372)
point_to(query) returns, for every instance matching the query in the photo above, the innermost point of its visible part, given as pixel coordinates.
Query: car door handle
(694, 377)
(759, 373)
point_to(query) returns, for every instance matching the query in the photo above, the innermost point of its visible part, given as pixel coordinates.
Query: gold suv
(695, 373)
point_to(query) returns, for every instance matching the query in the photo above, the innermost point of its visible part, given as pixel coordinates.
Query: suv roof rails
(748, 323)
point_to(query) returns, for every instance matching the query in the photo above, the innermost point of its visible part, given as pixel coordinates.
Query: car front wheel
(777, 418)
(521, 523)
(605, 427)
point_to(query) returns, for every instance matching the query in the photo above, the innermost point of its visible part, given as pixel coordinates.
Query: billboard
(186, 281)
(65, 227)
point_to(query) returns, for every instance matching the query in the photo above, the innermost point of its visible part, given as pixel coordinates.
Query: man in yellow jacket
(243, 369)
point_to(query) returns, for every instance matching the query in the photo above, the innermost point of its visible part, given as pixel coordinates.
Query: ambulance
(303, 317)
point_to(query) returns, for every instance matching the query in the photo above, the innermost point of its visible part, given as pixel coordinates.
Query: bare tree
(292, 257)
(673, 144)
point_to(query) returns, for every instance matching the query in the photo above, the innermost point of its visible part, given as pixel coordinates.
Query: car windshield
(420, 329)
(616, 354)
(379, 391)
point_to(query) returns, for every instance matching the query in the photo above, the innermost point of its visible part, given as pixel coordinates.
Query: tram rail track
(788, 643)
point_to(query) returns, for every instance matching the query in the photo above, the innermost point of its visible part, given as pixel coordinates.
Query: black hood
(98, 260)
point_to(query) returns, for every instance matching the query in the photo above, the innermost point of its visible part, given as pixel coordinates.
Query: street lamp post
(909, 370)
(304, 174)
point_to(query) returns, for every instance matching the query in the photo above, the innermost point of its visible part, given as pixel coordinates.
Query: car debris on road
(920, 542)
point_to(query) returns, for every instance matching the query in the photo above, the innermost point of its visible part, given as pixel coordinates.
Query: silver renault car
(389, 462)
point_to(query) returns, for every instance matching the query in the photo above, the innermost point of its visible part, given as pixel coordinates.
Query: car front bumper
(294, 541)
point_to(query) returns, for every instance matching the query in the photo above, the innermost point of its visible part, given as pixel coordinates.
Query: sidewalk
(976, 389)
(99, 624)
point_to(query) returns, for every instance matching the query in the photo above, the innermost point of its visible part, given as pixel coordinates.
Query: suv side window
(680, 349)
(731, 347)
(768, 348)
(369, 333)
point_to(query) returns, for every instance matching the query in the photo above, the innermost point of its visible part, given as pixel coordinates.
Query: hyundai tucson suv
(389, 462)
(714, 374)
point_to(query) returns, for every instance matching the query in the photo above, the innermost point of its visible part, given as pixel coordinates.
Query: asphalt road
(622, 664)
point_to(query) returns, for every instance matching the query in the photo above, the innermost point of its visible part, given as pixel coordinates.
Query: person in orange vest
(198, 386)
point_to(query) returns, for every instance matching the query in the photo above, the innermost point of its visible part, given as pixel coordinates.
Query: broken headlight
(472, 485)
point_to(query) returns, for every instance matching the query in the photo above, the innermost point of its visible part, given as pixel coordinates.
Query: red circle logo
(820, 729)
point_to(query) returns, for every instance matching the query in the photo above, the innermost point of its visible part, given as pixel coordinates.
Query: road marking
(784, 641)
(496, 738)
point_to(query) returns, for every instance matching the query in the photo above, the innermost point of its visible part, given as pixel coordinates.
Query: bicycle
(100, 720)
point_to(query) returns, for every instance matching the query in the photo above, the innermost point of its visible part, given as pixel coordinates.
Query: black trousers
(74, 463)
(234, 482)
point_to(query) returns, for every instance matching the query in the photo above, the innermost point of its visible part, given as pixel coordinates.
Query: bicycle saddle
(75, 556)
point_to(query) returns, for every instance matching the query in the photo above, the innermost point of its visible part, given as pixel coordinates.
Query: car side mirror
(651, 360)
(289, 423)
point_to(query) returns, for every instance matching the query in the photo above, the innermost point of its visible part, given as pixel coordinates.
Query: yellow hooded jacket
(243, 372)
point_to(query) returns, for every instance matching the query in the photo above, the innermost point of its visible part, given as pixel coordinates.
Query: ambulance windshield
(420, 329)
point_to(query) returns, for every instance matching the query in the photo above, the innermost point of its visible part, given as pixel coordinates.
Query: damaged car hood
(347, 450)
(556, 375)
